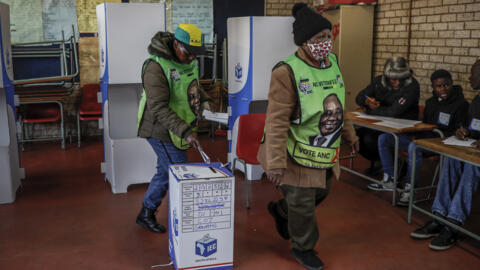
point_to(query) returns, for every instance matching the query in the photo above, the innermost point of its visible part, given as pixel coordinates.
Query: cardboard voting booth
(124, 33)
(201, 220)
(255, 45)
(10, 171)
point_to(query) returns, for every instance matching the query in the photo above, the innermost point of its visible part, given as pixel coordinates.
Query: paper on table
(455, 141)
(389, 121)
(398, 123)
(216, 117)
(393, 124)
(366, 116)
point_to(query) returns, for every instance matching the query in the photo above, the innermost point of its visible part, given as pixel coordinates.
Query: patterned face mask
(320, 50)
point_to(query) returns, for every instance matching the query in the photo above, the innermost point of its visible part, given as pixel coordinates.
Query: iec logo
(238, 71)
(206, 246)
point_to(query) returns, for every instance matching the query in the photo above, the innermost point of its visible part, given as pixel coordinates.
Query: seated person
(447, 108)
(450, 203)
(394, 94)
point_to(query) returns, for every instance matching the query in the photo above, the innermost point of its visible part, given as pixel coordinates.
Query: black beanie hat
(307, 23)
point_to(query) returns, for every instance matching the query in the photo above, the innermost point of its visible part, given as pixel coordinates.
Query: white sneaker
(387, 184)
(404, 198)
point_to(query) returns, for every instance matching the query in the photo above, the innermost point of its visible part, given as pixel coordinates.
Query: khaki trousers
(298, 205)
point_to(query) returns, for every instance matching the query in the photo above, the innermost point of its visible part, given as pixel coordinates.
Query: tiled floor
(65, 217)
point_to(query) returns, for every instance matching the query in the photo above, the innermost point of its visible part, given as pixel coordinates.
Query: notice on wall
(87, 14)
(197, 12)
(59, 16)
(25, 20)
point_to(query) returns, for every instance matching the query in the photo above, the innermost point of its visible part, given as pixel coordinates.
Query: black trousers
(368, 139)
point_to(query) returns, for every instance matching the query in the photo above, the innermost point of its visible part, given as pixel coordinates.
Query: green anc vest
(314, 135)
(179, 77)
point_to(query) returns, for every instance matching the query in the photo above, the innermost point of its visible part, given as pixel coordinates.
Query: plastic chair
(89, 108)
(45, 112)
(250, 132)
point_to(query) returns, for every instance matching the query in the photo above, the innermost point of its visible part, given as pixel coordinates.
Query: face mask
(320, 50)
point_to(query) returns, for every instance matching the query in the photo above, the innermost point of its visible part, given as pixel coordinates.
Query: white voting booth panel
(201, 216)
(125, 31)
(10, 172)
(255, 45)
(128, 159)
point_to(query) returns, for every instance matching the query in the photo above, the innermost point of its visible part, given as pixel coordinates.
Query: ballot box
(201, 216)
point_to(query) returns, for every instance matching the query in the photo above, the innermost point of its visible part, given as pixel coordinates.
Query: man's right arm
(362, 95)
(158, 97)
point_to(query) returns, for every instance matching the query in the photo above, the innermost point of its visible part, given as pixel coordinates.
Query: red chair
(250, 132)
(42, 112)
(89, 108)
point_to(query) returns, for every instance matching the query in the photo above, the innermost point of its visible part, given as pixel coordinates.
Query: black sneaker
(308, 259)
(430, 229)
(281, 224)
(445, 240)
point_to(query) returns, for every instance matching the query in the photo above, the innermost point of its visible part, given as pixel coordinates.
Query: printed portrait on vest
(330, 124)
(193, 93)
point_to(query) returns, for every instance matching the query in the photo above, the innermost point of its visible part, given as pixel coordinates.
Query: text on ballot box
(201, 216)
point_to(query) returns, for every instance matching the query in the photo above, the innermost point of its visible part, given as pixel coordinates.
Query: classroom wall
(444, 34)
(282, 7)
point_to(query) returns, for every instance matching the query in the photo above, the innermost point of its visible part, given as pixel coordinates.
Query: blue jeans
(451, 203)
(167, 154)
(386, 149)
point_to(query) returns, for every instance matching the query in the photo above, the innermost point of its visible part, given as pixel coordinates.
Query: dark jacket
(402, 103)
(473, 112)
(453, 111)
(158, 118)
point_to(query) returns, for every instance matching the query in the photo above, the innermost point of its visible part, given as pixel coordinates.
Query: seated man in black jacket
(447, 108)
(394, 94)
(458, 182)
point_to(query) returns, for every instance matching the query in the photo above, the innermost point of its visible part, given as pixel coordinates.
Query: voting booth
(201, 216)
(125, 31)
(255, 45)
(10, 172)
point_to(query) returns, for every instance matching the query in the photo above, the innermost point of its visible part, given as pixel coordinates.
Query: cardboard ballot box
(201, 208)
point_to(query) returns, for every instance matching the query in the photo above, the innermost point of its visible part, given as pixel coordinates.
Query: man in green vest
(169, 109)
(306, 99)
